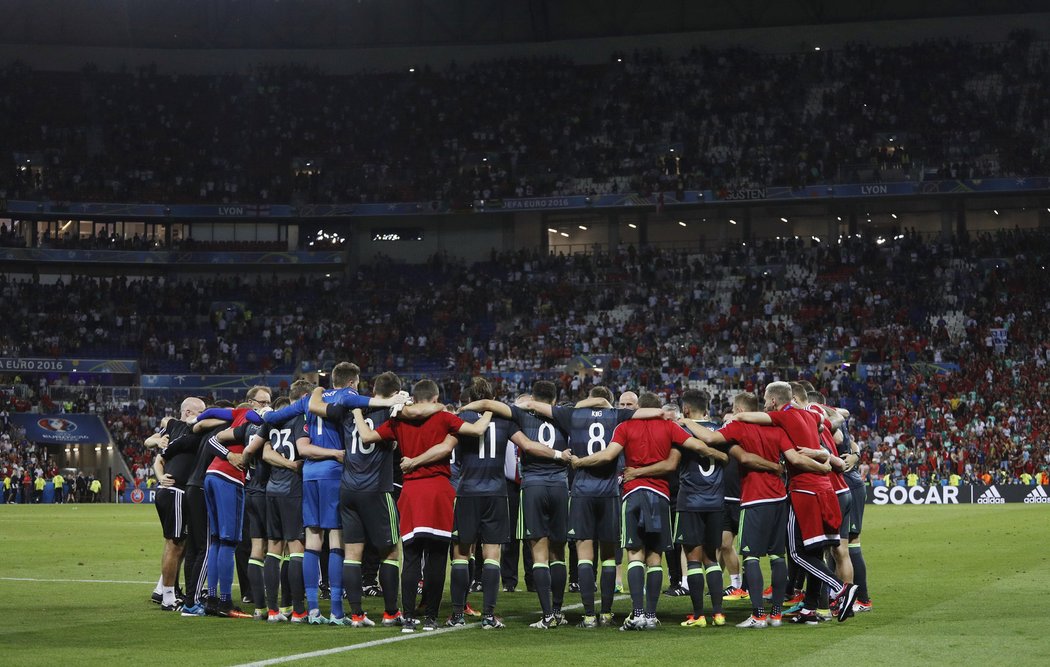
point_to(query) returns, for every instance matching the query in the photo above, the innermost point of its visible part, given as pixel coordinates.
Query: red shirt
(415, 438)
(827, 440)
(220, 466)
(756, 486)
(801, 429)
(645, 442)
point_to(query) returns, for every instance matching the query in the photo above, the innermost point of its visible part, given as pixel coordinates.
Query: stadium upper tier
(542, 126)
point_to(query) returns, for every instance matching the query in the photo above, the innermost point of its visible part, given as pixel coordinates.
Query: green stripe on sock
(713, 568)
(491, 561)
(252, 561)
(775, 556)
(694, 570)
(536, 565)
(588, 562)
(608, 563)
(656, 568)
(750, 558)
(459, 561)
(277, 556)
(855, 546)
(557, 562)
(299, 555)
(347, 561)
(395, 563)
(635, 563)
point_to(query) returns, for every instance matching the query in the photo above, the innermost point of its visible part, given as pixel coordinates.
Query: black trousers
(196, 554)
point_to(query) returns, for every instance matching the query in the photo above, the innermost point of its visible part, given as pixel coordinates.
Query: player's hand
(729, 417)
(629, 474)
(576, 462)
(826, 467)
(400, 398)
(522, 401)
(407, 465)
(167, 480)
(339, 454)
(568, 457)
(236, 460)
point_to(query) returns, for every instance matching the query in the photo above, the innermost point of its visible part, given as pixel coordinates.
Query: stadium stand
(709, 119)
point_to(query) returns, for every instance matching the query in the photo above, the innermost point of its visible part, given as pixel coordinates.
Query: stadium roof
(312, 24)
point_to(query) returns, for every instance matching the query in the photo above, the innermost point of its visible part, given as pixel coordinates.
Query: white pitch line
(386, 640)
(77, 581)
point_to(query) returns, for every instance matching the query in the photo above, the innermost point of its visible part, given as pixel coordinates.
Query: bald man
(628, 401)
(172, 467)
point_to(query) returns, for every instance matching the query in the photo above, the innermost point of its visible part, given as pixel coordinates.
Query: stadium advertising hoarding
(965, 494)
(22, 365)
(64, 429)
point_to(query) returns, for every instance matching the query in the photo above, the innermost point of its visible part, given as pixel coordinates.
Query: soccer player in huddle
(645, 511)
(813, 517)
(322, 472)
(594, 505)
(763, 512)
(427, 497)
(366, 504)
(481, 510)
(284, 511)
(544, 505)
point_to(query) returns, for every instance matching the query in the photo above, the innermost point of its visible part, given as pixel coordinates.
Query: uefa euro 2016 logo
(57, 424)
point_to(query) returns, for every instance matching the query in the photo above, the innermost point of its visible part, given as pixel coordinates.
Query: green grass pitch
(950, 584)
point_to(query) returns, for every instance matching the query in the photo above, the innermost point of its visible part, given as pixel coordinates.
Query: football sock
(167, 595)
(255, 579)
(674, 566)
(714, 586)
(694, 574)
(654, 579)
(586, 579)
(778, 572)
(541, 577)
(735, 582)
(813, 586)
(335, 580)
(860, 571)
(608, 585)
(352, 585)
(311, 576)
(388, 574)
(490, 586)
(286, 583)
(272, 579)
(636, 582)
(753, 578)
(226, 569)
(823, 602)
(459, 582)
(559, 576)
(159, 588)
(297, 583)
(212, 567)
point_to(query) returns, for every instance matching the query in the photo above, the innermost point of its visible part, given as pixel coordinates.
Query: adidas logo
(1037, 495)
(572, 531)
(991, 497)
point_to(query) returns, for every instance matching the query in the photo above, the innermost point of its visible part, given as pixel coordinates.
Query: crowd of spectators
(937, 348)
(510, 128)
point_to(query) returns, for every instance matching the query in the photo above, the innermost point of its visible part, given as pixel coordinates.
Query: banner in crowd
(22, 365)
(65, 429)
(965, 494)
(209, 382)
(164, 257)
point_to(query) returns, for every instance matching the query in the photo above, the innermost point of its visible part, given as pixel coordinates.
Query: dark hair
(697, 400)
(386, 384)
(544, 391)
(223, 403)
(282, 401)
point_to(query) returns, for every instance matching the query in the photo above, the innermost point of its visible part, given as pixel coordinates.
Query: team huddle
(395, 484)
